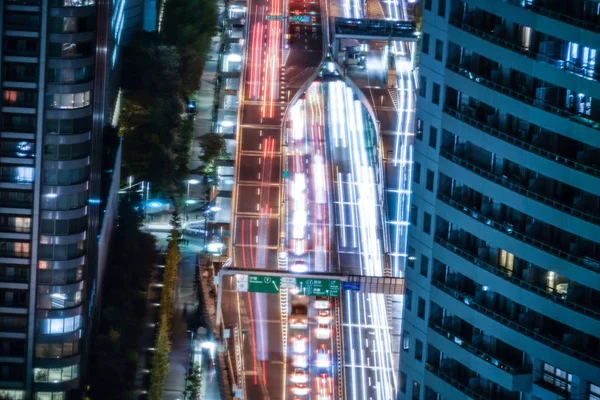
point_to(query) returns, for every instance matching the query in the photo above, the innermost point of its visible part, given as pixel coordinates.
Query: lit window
(594, 392)
(78, 3)
(55, 375)
(60, 325)
(69, 100)
(50, 396)
(24, 174)
(557, 377)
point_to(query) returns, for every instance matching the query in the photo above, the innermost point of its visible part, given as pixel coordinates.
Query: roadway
(271, 77)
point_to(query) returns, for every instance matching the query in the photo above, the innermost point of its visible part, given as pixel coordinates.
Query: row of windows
(68, 101)
(61, 251)
(14, 223)
(55, 375)
(65, 176)
(54, 326)
(57, 301)
(13, 323)
(29, 47)
(63, 227)
(63, 202)
(50, 396)
(17, 148)
(56, 350)
(27, 123)
(58, 276)
(14, 249)
(16, 198)
(14, 273)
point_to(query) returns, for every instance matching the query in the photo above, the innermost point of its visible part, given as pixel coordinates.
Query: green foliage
(193, 386)
(160, 361)
(213, 148)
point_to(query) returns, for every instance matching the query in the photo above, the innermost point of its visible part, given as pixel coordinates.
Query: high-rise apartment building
(503, 275)
(57, 58)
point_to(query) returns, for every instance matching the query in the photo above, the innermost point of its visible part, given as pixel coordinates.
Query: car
(323, 331)
(323, 358)
(299, 375)
(299, 246)
(299, 266)
(299, 344)
(323, 386)
(300, 361)
(322, 303)
(323, 317)
(300, 389)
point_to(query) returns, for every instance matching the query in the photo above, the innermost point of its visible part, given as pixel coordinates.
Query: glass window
(69, 100)
(417, 172)
(405, 341)
(439, 49)
(416, 390)
(420, 125)
(414, 215)
(442, 8)
(77, 3)
(418, 350)
(51, 326)
(424, 268)
(425, 43)
(402, 382)
(69, 24)
(557, 377)
(421, 308)
(429, 183)
(408, 298)
(435, 94)
(55, 375)
(50, 396)
(411, 257)
(594, 392)
(427, 223)
(427, 5)
(422, 86)
(433, 136)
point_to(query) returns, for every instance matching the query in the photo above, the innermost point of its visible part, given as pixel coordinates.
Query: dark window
(424, 265)
(408, 299)
(411, 257)
(439, 49)
(430, 180)
(417, 172)
(442, 8)
(433, 136)
(427, 223)
(422, 86)
(414, 215)
(435, 94)
(20, 72)
(427, 5)
(425, 43)
(22, 21)
(421, 308)
(402, 382)
(416, 390)
(418, 350)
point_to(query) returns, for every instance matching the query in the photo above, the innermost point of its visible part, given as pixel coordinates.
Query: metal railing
(480, 353)
(537, 103)
(509, 276)
(519, 328)
(506, 229)
(590, 26)
(339, 339)
(520, 189)
(563, 65)
(520, 143)
(454, 382)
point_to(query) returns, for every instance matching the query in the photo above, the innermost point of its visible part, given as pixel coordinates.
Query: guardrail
(457, 384)
(520, 189)
(509, 276)
(520, 143)
(481, 353)
(339, 339)
(519, 328)
(507, 230)
(537, 103)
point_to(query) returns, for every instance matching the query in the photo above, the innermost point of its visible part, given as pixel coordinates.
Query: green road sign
(275, 17)
(264, 284)
(285, 174)
(318, 287)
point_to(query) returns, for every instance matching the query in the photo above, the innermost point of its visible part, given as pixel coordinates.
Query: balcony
(561, 112)
(567, 66)
(448, 378)
(506, 183)
(520, 143)
(508, 229)
(515, 326)
(512, 377)
(510, 277)
(590, 26)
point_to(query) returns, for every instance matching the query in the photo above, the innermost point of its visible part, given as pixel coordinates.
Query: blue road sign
(350, 285)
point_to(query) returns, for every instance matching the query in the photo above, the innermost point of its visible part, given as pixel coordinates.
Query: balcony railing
(508, 276)
(454, 382)
(563, 65)
(507, 229)
(561, 112)
(520, 189)
(520, 143)
(519, 328)
(590, 26)
(495, 361)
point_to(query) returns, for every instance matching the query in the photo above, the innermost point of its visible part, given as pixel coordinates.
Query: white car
(299, 344)
(324, 387)
(299, 375)
(323, 358)
(323, 331)
(300, 361)
(299, 246)
(299, 266)
(300, 389)
(322, 303)
(323, 317)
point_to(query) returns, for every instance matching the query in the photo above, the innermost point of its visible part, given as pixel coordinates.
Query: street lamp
(187, 197)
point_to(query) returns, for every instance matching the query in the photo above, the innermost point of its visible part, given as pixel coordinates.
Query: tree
(194, 383)
(160, 362)
(213, 148)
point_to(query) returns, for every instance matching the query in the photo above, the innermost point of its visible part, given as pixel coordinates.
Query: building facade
(503, 275)
(56, 60)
